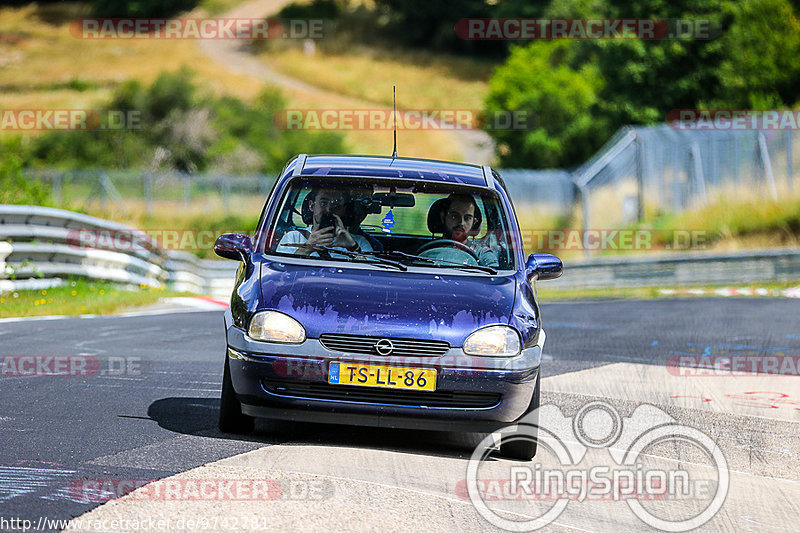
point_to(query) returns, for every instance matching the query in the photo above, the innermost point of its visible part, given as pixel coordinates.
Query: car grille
(347, 393)
(366, 345)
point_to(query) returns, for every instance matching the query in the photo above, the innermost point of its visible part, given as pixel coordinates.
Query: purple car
(389, 292)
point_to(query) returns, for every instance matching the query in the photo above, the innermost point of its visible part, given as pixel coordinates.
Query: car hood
(386, 303)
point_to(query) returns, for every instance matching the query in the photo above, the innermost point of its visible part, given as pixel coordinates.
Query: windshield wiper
(394, 253)
(348, 253)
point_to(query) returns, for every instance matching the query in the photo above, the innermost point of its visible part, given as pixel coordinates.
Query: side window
(288, 219)
(494, 232)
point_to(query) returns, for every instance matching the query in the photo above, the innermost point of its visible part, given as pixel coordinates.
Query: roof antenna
(394, 112)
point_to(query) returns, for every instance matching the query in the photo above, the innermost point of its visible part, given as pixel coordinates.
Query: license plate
(394, 377)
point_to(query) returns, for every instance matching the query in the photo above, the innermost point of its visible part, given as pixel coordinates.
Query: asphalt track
(149, 412)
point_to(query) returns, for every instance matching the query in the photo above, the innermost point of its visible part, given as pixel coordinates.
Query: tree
(558, 100)
(581, 92)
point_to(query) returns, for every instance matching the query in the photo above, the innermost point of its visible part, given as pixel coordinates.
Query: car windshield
(393, 223)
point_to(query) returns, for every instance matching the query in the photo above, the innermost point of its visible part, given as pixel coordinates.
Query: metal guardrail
(38, 249)
(699, 268)
(41, 251)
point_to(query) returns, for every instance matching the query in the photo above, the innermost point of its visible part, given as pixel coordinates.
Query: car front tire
(231, 419)
(524, 449)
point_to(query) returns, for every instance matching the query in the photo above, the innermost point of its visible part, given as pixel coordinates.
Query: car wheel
(524, 449)
(231, 419)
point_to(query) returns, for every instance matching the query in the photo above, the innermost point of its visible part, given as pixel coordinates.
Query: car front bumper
(290, 382)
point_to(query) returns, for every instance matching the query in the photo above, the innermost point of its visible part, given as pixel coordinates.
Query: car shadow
(198, 416)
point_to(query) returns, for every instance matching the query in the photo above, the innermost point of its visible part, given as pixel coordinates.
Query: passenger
(325, 208)
(359, 206)
(461, 218)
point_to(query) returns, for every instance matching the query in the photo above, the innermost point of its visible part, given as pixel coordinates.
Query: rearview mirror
(398, 199)
(543, 267)
(233, 246)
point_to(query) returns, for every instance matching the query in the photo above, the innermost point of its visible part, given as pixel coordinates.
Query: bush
(318, 9)
(141, 8)
(580, 92)
(182, 129)
(15, 188)
(559, 102)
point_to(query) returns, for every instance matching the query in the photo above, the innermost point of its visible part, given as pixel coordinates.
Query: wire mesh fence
(642, 170)
(153, 191)
(666, 170)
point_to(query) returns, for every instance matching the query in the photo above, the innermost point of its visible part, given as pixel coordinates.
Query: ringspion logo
(598, 455)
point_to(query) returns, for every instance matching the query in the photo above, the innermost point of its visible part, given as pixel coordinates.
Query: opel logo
(384, 347)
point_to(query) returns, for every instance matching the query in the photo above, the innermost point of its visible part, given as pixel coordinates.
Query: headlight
(494, 341)
(273, 326)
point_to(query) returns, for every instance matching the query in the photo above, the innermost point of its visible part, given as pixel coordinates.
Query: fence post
(109, 190)
(57, 187)
(697, 170)
(148, 193)
(187, 190)
(226, 193)
(263, 185)
(639, 178)
(762, 149)
(789, 171)
(584, 194)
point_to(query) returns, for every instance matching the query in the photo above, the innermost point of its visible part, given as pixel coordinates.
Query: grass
(49, 68)
(545, 293)
(423, 80)
(218, 7)
(191, 229)
(732, 223)
(729, 221)
(78, 297)
(42, 66)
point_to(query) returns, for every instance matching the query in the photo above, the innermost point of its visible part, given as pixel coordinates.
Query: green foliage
(15, 188)
(579, 92)
(760, 68)
(559, 102)
(318, 9)
(171, 125)
(141, 8)
(427, 24)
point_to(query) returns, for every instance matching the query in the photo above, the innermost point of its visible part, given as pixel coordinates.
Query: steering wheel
(447, 243)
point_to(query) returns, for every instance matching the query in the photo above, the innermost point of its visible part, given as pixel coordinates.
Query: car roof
(389, 167)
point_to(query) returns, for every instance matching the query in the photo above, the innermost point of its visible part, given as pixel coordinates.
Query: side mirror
(542, 267)
(233, 246)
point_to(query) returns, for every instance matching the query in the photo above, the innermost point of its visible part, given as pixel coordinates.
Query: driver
(327, 207)
(460, 216)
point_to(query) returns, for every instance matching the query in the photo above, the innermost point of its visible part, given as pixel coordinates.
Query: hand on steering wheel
(447, 243)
